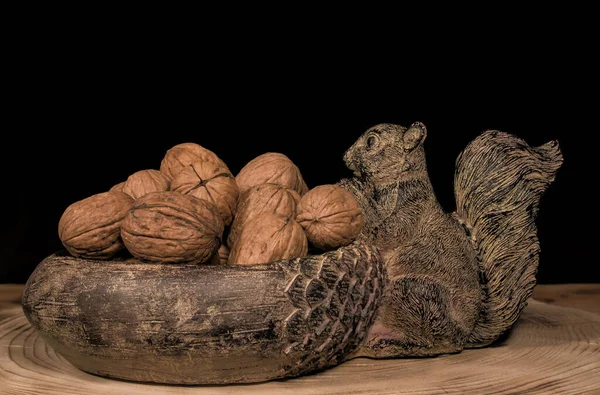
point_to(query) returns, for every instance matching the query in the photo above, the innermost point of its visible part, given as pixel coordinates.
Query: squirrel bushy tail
(498, 183)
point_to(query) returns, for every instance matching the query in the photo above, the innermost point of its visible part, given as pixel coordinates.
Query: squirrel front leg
(361, 191)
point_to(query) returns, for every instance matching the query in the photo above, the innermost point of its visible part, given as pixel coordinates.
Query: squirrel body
(436, 291)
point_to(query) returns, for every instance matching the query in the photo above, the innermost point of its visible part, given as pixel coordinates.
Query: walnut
(269, 238)
(221, 256)
(182, 155)
(210, 181)
(262, 199)
(117, 187)
(271, 167)
(89, 228)
(169, 227)
(143, 182)
(330, 216)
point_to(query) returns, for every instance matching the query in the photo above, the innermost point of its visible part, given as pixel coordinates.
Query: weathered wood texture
(551, 350)
(205, 324)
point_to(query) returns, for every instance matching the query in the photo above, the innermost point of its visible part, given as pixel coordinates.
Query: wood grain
(10, 300)
(552, 349)
(579, 296)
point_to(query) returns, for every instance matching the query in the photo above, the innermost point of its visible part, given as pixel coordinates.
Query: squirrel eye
(371, 140)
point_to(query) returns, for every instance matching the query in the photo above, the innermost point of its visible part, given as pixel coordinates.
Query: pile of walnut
(193, 210)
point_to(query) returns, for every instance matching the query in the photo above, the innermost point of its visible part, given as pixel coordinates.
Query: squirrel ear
(414, 136)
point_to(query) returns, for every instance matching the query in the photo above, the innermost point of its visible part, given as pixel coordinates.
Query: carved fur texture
(498, 184)
(454, 280)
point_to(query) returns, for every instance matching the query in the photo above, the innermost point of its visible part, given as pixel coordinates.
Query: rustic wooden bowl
(148, 322)
(201, 324)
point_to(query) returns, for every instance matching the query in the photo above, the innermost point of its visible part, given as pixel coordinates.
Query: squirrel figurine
(456, 280)
(416, 282)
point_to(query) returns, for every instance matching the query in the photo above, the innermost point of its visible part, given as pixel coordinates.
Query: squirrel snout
(350, 164)
(348, 160)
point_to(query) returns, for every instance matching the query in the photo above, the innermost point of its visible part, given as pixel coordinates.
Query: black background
(86, 114)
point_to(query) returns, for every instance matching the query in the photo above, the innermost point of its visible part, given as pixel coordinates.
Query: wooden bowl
(204, 324)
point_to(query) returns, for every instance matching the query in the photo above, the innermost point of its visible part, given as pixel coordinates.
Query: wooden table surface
(553, 349)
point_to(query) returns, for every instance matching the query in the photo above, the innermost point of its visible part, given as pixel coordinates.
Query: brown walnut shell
(221, 256)
(269, 238)
(117, 187)
(90, 229)
(262, 199)
(274, 168)
(143, 182)
(330, 216)
(182, 155)
(169, 227)
(210, 181)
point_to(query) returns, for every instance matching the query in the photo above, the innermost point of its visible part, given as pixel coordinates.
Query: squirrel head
(386, 151)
